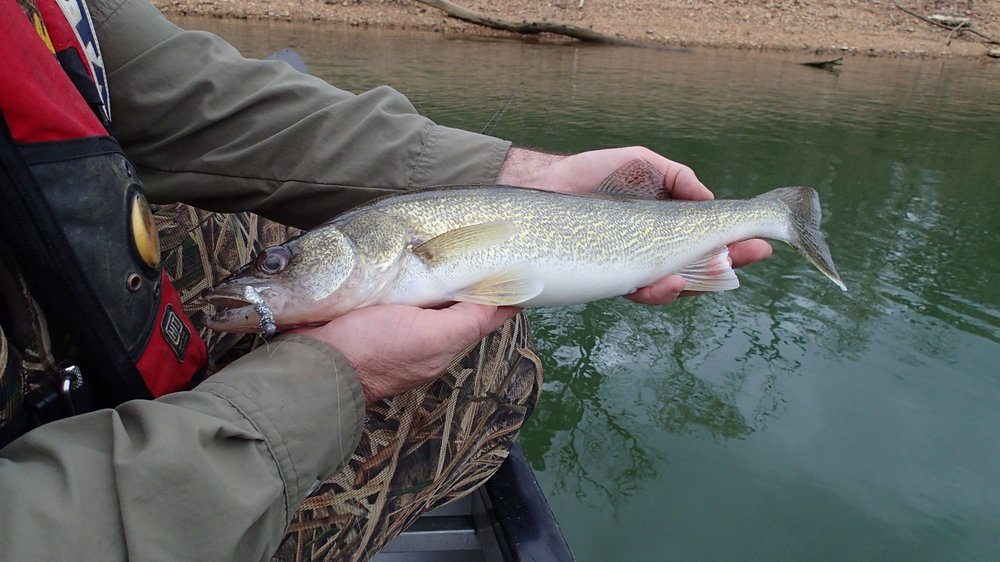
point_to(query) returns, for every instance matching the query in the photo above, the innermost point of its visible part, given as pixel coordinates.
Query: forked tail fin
(804, 232)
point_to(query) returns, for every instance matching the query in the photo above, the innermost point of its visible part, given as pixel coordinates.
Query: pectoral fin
(712, 273)
(503, 288)
(464, 240)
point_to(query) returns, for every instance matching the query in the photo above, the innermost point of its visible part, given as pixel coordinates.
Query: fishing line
(498, 114)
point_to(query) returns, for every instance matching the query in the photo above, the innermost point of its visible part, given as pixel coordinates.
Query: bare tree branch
(967, 29)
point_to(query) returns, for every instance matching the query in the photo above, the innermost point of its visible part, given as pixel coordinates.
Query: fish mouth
(233, 312)
(224, 302)
(225, 297)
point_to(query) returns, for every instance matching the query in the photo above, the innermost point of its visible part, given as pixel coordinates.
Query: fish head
(305, 281)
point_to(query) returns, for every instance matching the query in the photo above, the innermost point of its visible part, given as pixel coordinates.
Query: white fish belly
(578, 283)
(562, 283)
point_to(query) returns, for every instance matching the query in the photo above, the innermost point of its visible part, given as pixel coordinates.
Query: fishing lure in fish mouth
(268, 327)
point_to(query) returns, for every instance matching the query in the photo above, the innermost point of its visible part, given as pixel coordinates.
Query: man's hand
(395, 348)
(581, 173)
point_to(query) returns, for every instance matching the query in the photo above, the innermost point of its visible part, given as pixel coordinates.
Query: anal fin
(712, 273)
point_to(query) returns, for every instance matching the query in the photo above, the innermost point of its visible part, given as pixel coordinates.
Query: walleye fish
(511, 246)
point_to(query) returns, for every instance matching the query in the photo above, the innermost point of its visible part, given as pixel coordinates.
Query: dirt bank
(874, 27)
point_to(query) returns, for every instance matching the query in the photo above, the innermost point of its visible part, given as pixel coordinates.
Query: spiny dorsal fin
(464, 240)
(712, 273)
(503, 288)
(637, 178)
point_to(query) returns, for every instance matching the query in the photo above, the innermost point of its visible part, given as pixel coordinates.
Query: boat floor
(506, 519)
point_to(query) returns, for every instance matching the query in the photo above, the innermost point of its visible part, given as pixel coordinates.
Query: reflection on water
(786, 420)
(597, 401)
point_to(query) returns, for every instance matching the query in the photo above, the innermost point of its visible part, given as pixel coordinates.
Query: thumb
(471, 322)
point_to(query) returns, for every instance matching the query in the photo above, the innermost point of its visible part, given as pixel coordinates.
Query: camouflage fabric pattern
(27, 348)
(421, 450)
(12, 383)
(418, 451)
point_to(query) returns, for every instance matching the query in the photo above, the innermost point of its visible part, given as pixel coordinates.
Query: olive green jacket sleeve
(215, 130)
(216, 473)
(211, 474)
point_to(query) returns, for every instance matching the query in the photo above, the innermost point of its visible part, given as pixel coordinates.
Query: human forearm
(211, 474)
(521, 166)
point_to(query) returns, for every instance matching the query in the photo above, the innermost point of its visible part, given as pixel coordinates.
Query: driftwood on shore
(953, 25)
(526, 26)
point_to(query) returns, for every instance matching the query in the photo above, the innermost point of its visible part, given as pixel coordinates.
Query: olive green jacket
(216, 473)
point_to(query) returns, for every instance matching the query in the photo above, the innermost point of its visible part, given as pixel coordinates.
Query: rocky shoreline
(858, 27)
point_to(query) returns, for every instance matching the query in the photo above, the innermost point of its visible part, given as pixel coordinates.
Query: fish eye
(273, 260)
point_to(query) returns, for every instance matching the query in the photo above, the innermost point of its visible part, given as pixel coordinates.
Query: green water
(786, 420)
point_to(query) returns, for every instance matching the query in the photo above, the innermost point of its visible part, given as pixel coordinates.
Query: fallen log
(526, 26)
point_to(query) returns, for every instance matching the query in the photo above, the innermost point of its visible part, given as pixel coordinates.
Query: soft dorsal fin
(464, 240)
(711, 273)
(637, 178)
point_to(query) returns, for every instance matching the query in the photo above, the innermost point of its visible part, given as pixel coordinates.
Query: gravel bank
(866, 27)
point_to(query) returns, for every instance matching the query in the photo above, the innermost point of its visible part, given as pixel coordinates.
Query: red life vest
(73, 214)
